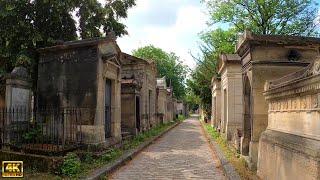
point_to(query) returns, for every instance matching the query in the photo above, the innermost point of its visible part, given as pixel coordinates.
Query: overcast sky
(172, 25)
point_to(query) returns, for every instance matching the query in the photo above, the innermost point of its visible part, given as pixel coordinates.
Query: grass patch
(142, 137)
(231, 154)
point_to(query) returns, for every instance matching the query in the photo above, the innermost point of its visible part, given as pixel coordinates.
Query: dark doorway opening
(108, 93)
(247, 117)
(138, 113)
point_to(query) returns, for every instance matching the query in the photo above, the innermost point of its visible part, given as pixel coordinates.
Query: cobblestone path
(182, 153)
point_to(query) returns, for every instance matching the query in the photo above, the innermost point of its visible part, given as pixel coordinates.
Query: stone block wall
(68, 78)
(128, 112)
(259, 106)
(216, 104)
(289, 148)
(169, 112)
(231, 98)
(162, 105)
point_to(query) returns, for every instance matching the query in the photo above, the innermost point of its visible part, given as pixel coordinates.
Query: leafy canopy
(283, 17)
(168, 65)
(26, 25)
(214, 43)
(286, 17)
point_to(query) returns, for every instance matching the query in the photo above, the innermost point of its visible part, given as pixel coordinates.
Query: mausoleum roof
(225, 59)
(131, 57)
(250, 38)
(161, 82)
(80, 43)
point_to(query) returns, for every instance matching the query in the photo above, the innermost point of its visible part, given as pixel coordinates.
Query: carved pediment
(111, 58)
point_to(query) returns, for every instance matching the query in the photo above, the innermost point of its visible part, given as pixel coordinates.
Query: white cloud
(179, 37)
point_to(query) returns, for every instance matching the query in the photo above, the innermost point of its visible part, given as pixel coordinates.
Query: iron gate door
(108, 108)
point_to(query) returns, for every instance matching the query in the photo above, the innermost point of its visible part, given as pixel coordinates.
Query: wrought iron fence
(42, 130)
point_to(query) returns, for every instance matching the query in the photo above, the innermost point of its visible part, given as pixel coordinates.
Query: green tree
(213, 44)
(168, 65)
(26, 25)
(192, 99)
(286, 17)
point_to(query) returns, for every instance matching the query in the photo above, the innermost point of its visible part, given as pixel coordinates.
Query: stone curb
(228, 169)
(127, 156)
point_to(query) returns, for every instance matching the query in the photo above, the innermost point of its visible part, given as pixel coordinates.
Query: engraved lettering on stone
(289, 104)
(315, 99)
(295, 104)
(286, 105)
(303, 103)
(20, 97)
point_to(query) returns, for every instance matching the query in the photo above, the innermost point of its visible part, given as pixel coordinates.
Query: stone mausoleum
(138, 94)
(84, 74)
(175, 110)
(290, 146)
(170, 110)
(263, 58)
(216, 102)
(229, 68)
(180, 107)
(162, 100)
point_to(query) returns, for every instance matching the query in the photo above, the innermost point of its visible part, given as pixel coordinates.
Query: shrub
(88, 158)
(181, 117)
(110, 155)
(71, 165)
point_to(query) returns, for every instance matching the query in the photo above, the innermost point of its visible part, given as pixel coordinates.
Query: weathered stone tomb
(175, 110)
(162, 100)
(139, 108)
(267, 57)
(290, 146)
(169, 112)
(130, 106)
(180, 108)
(229, 66)
(84, 74)
(216, 103)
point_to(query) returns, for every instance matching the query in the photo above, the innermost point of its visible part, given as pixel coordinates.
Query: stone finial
(247, 34)
(20, 72)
